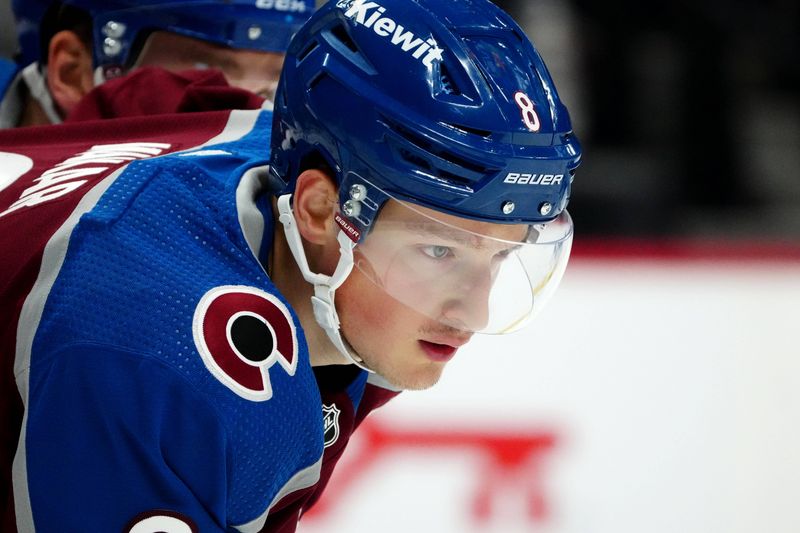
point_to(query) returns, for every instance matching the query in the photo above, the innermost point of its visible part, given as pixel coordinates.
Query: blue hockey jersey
(153, 378)
(9, 101)
(8, 69)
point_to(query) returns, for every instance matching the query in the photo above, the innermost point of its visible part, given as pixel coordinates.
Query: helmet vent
(432, 159)
(343, 37)
(454, 178)
(313, 82)
(448, 86)
(313, 45)
(472, 131)
(415, 159)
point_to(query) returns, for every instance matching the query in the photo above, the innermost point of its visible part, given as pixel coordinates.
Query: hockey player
(190, 335)
(84, 42)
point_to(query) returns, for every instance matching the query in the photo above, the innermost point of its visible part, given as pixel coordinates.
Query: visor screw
(111, 47)
(358, 192)
(352, 208)
(508, 207)
(545, 208)
(114, 29)
(254, 32)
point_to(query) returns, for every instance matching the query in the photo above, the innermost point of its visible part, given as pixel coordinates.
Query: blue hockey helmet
(445, 107)
(265, 25)
(443, 103)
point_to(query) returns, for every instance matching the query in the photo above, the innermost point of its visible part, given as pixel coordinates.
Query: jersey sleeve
(115, 439)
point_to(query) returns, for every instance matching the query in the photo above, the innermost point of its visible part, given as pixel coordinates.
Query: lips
(440, 353)
(441, 350)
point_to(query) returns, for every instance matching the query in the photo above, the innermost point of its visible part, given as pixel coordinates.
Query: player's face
(255, 71)
(443, 280)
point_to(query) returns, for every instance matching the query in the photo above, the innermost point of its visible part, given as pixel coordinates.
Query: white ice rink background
(652, 396)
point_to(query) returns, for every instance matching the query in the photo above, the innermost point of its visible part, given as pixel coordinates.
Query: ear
(314, 203)
(69, 70)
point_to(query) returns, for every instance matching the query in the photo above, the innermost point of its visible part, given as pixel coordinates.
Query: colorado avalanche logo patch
(241, 332)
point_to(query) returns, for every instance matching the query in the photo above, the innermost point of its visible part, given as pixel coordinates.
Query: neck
(32, 112)
(290, 282)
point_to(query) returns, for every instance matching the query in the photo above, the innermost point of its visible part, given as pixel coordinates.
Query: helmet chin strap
(99, 76)
(324, 286)
(35, 79)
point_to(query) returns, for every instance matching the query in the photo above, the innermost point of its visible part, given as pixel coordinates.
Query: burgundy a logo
(241, 332)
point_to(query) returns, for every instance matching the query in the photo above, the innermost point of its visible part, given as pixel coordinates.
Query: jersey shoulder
(158, 266)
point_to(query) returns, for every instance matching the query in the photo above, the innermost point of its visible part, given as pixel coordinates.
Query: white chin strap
(37, 87)
(99, 76)
(36, 80)
(324, 286)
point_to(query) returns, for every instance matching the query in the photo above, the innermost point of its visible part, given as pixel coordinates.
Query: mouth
(441, 352)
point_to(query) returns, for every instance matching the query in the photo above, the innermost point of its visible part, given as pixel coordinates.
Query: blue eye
(436, 252)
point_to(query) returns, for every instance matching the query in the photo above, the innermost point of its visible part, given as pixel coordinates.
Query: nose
(468, 306)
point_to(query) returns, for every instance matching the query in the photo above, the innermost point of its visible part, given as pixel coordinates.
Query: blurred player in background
(67, 47)
(199, 309)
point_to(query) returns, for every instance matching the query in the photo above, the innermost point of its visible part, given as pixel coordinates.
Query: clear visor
(257, 71)
(246, 42)
(473, 276)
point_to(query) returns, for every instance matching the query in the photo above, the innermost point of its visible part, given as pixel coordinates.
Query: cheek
(370, 318)
(167, 63)
(363, 304)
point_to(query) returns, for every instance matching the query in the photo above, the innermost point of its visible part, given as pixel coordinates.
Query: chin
(419, 378)
(420, 384)
(405, 367)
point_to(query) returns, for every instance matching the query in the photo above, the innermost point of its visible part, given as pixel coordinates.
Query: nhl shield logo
(330, 423)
